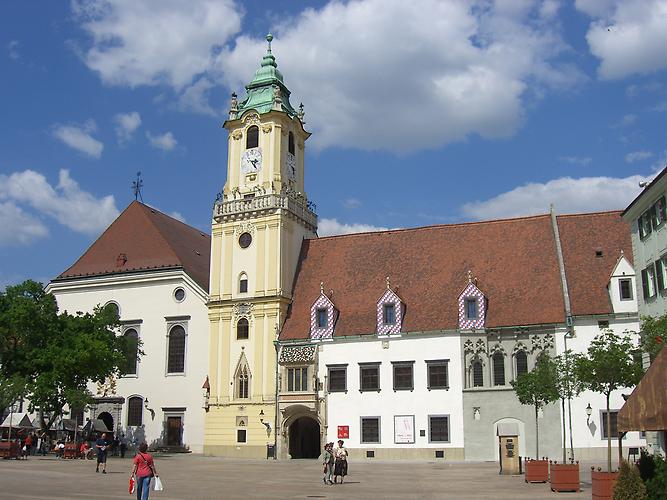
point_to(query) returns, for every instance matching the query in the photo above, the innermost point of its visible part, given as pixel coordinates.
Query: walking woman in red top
(144, 470)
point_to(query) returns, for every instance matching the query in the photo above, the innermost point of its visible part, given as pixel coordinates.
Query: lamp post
(589, 412)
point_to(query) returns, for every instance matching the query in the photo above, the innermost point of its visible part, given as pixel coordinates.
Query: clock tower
(259, 222)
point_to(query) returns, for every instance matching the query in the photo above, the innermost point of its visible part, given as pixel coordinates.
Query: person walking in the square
(101, 445)
(328, 463)
(144, 469)
(340, 467)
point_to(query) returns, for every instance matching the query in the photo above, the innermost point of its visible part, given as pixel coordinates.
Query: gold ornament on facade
(237, 134)
(106, 388)
(267, 128)
(251, 119)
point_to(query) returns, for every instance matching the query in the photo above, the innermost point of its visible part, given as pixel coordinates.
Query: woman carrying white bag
(144, 469)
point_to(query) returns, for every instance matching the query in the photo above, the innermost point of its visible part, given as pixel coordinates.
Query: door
(509, 453)
(174, 431)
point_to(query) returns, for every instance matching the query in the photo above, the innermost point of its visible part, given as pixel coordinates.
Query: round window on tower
(244, 240)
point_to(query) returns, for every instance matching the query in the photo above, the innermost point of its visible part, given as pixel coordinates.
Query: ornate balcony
(295, 204)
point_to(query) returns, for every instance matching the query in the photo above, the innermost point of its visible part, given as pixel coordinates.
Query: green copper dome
(266, 91)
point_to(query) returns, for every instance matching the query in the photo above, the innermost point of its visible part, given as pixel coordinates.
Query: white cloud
(78, 137)
(178, 216)
(195, 98)
(628, 36)
(577, 160)
(154, 41)
(66, 202)
(362, 68)
(351, 203)
(126, 125)
(637, 156)
(586, 194)
(13, 50)
(165, 142)
(330, 227)
(635, 90)
(18, 227)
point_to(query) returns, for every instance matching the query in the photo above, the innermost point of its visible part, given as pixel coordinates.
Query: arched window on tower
(135, 411)
(242, 328)
(252, 137)
(498, 369)
(521, 363)
(176, 357)
(132, 352)
(290, 143)
(477, 374)
(243, 283)
(242, 382)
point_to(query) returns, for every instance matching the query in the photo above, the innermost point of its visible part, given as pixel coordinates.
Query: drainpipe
(275, 421)
(568, 314)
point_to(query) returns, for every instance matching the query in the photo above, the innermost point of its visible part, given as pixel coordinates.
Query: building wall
(146, 302)
(347, 408)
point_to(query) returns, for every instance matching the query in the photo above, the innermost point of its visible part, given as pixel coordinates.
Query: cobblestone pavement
(199, 477)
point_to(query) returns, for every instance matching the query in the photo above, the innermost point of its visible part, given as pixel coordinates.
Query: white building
(154, 269)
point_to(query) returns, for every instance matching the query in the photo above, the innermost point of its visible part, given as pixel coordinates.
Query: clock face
(251, 161)
(291, 166)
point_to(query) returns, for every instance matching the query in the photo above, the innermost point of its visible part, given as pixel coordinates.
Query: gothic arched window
(521, 363)
(243, 283)
(135, 411)
(477, 374)
(498, 369)
(242, 382)
(176, 356)
(132, 352)
(252, 137)
(242, 329)
(290, 143)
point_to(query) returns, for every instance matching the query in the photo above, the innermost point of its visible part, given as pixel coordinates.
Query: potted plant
(564, 476)
(608, 365)
(537, 388)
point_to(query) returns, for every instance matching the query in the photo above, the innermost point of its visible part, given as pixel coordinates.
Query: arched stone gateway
(304, 438)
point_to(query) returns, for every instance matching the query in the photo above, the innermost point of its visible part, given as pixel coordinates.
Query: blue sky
(422, 112)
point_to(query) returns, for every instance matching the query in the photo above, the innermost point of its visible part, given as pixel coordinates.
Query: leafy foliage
(569, 386)
(653, 334)
(56, 355)
(629, 485)
(653, 470)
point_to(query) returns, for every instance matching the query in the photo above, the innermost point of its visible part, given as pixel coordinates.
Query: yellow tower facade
(259, 223)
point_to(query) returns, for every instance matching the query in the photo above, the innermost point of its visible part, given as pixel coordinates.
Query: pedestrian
(116, 445)
(28, 444)
(144, 469)
(327, 462)
(102, 444)
(123, 445)
(340, 467)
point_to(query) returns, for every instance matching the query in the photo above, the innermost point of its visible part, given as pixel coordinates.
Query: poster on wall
(343, 432)
(404, 429)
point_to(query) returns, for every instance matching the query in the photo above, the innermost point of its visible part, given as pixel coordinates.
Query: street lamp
(589, 412)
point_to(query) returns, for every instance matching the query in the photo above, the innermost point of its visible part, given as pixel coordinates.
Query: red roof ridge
(588, 214)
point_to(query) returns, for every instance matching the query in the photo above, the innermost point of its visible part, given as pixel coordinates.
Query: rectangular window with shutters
(403, 375)
(625, 288)
(370, 429)
(661, 273)
(337, 378)
(297, 379)
(648, 281)
(438, 428)
(644, 223)
(658, 213)
(438, 377)
(614, 419)
(369, 376)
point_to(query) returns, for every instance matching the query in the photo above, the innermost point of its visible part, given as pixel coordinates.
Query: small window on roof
(389, 314)
(471, 308)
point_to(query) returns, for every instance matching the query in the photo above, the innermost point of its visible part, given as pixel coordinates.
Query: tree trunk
(562, 400)
(608, 435)
(537, 436)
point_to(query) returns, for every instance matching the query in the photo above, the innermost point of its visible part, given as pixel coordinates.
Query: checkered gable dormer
(471, 292)
(384, 327)
(317, 330)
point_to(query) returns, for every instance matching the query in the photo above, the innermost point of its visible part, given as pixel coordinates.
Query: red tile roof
(513, 260)
(142, 238)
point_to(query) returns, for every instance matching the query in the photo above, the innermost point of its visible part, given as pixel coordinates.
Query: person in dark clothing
(101, 445)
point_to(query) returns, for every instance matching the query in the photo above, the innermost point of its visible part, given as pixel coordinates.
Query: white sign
(404, 429)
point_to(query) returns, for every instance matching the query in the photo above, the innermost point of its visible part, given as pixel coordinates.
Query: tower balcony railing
(298, 206)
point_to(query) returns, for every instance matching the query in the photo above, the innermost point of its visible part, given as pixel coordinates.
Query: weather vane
(136, 187)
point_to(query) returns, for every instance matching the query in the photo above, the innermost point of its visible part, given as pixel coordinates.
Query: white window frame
(170, 325)
(137, 328)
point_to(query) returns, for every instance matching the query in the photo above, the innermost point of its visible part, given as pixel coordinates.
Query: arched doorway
(106, 417)
(304, 438)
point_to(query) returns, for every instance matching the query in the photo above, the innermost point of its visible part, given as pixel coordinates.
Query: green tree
(629, 485)
(538, 388)
(568, 388)
(57, 354)
(653, 335)
(608, 365)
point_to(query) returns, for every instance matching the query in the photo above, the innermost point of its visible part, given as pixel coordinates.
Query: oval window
(244, 240)
(179, 294)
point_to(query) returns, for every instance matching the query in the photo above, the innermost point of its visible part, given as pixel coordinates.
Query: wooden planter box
(10, 449)
(564, 477)
(537, 471)
(603, 484)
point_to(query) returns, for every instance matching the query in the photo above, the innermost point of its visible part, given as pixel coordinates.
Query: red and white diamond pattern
(471, 291)
(389, 297)
(323, 302)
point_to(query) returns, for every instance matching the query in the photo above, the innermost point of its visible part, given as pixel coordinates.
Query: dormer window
(625, 288)
(471, 308)
(322, 318)
(389, 314)
(252, 137)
